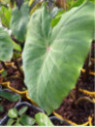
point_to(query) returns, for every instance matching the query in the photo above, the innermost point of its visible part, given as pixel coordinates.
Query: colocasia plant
(19, 117)
(53, 57)
(53, 53)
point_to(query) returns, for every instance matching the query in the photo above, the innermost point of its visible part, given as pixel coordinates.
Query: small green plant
(19, 117)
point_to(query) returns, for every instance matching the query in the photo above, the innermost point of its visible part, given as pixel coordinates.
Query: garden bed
(77, 113)
(29, 112)
(41, 57)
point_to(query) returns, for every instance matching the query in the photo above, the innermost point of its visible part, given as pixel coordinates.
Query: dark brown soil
(59, 122)
(14, 77)
(32, 112)
(6, 105)
(77, 113)
(93, 66)
(11, 71)
(17, 83)
(87, 84)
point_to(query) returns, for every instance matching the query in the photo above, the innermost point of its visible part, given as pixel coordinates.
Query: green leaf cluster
(20, 117)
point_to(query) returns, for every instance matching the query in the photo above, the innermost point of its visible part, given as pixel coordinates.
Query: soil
(58, 122)
(93, 66)
(16, 80)
(32, 112)
(17, 83)
(87, 84)
(6, 105)
(77, 113)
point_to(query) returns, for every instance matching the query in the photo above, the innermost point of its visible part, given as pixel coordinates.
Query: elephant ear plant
(19, 20)
(53, 57)
(6, 46)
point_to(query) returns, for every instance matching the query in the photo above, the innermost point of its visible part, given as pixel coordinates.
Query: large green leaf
(6, 46)
(19, 21)
(53, 58)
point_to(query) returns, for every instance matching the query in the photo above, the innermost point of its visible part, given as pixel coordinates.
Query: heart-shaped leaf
(19, 21)
(6, 46)
(53, 58)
